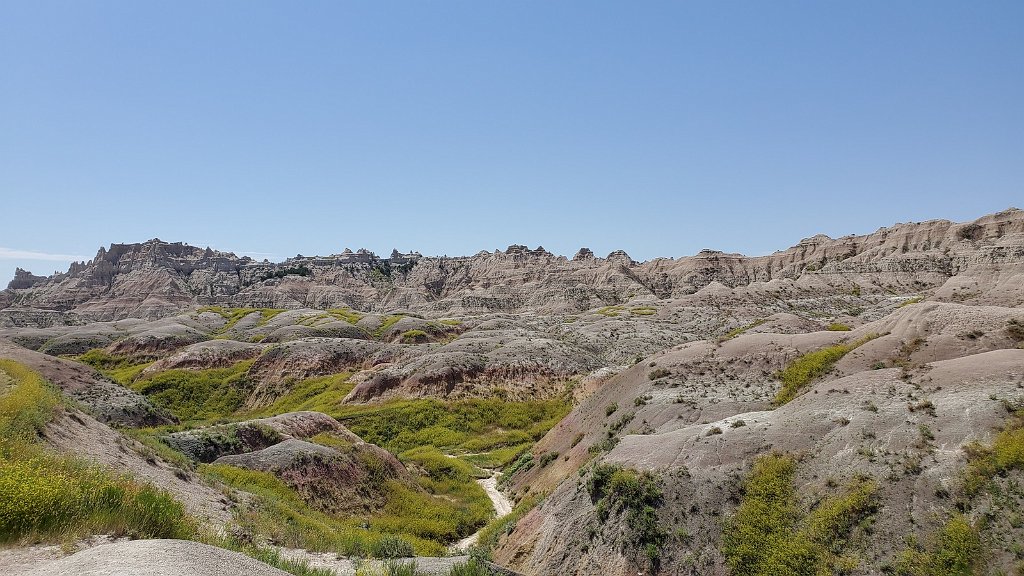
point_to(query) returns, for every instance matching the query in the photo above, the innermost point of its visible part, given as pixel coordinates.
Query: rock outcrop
(978, 260)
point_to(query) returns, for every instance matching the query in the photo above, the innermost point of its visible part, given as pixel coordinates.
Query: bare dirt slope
(901, 409)
(155, 558)
(78, 434)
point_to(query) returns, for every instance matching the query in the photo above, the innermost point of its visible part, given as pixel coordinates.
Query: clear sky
(449, 127)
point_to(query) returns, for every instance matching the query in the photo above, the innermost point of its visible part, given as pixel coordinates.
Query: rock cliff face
(979, 259)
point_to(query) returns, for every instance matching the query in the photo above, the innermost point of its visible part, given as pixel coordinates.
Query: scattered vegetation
(838, 327)
(234, 315)
(637, 495)
(322, 394)
(346, 314)
(1015, 330)
(499, 430)
(276, 513)
(643, 311)
(740, 330)
(800, 372)
(44, 496)
(493, 531)
(121, 369)
(386, 323)
(909, 301)
(300, 270)
(1005, 454)
(609, 311)
(770, 534)
(954, 551)
(192, 395)
(414, 336)
(659, 373)
(610, 409)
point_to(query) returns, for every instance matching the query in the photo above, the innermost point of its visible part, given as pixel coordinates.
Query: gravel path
(502, 507)
(347, 567)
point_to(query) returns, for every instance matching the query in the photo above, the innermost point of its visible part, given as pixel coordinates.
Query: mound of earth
(901, 408)
(103, 398)
(343, 478)
(210, 443)
(76, 434)
(207, 354)
(156, 558)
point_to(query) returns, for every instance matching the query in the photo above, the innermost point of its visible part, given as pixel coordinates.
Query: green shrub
(472, 425)
(838, 327)
(494, 530)
(199, 394)
(547, 458)
(386, 324)
(122, 369)
(769, 534)
(741, 329)
(346, 314)
(609, 311)
(954, 551)
(616, 490)
(659, 373)
(413, 336)
(278, 514)
(471, 567)
(392, 547)
(321, 394)
(610, 409)
(47, 496)
(803, 370)
(1005, 454)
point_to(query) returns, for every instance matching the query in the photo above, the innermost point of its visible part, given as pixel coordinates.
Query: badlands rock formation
(156, 278)
(675, 369)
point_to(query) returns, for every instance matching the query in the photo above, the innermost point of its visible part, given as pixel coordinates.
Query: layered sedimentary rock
(979, 259)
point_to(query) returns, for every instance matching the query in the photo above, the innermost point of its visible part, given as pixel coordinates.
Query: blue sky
(661, 128)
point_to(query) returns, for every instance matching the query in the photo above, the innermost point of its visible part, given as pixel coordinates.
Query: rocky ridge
(155, 278)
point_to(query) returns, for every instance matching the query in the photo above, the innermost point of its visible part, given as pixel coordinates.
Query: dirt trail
(502, 507)
(347, 567)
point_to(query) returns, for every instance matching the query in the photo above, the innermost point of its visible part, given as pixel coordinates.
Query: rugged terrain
(875, 383)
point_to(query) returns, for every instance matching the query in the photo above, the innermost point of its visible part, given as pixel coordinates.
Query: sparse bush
(471, 567)
(769, 534)
(954, 551)
(838, 327)
(659, 373)
(47, 496)
(740, 330)
(547, 458)
(610, 409)
(616, 490)
(1015, 330)
(713, 431)
(392, 547)
(413, 336)
(810, 366)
